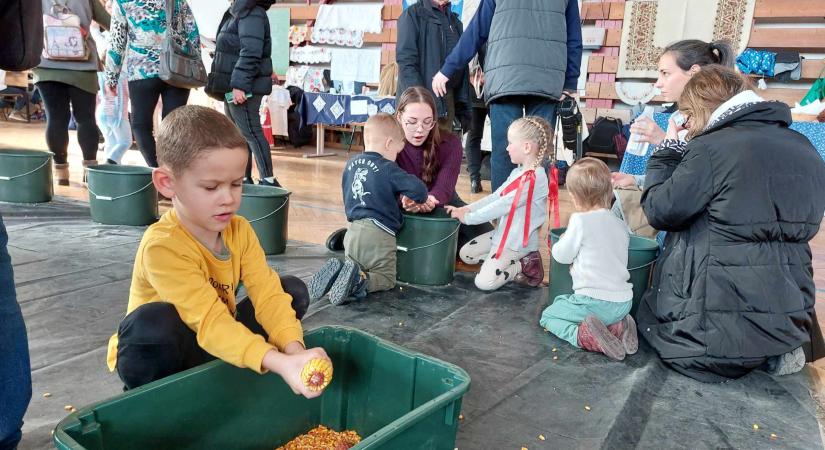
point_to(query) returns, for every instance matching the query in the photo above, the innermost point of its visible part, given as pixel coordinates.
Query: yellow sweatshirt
(172, 266)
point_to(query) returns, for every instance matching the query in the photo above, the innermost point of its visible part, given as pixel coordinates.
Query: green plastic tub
(427, 245)
(122, 195)
(394, 398)
(642, 254)
(267, 210)
(25, 176)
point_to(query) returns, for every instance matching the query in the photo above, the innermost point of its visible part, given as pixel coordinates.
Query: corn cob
(317, 374)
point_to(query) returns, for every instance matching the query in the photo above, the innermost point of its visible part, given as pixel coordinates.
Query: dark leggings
(144, 95)
(153, 341)
(474, 141)
(56, 98)
(247, 117)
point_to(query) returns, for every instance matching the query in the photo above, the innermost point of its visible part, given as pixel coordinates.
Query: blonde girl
(511, 251)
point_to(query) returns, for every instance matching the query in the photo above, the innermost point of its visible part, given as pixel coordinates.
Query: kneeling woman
(733, 290)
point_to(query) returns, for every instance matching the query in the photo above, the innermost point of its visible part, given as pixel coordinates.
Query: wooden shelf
(797, 10)
(799, 39)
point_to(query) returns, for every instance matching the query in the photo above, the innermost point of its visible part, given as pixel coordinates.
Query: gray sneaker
(791, 362)
(349, 282)
(322, 281)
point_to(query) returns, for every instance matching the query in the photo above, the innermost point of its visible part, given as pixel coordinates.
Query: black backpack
(298, 135)
(21, 34)
(601, 139)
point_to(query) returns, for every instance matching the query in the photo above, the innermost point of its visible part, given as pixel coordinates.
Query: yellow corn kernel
(541, 437)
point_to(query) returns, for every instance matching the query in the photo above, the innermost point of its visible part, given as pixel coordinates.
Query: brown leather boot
(532, 270)
(61, 172)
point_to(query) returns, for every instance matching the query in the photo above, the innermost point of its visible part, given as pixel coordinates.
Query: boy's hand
(289, 367)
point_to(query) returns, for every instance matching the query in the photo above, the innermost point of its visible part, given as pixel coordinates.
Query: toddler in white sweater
(595, 316)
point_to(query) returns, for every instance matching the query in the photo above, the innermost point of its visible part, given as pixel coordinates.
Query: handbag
(64, 39)
(177, 67)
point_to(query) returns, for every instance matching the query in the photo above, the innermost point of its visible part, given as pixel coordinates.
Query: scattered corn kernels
(773, 436)
(461, 417)
(541, 437)
(755, 427)
(68, 407)
(554, 350)
(47, 395)
(73, 409)
(524, 448)
(586, 408)
(317, 374)
(555, 357)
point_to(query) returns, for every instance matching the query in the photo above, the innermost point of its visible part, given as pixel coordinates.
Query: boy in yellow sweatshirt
(182, 310)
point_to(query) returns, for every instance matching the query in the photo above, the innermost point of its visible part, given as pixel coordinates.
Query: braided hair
(537, 130)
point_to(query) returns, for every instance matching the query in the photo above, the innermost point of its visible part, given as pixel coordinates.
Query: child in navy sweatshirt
(372, 183)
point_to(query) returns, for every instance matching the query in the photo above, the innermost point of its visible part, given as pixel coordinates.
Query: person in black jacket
(427, 32)
(243, 68)
(733, 290)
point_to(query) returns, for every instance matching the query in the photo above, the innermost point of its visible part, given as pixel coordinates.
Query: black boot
(475, 184)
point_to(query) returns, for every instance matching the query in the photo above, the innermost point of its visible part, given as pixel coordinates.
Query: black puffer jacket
(243, 51)
(734, 284)
(425, 37)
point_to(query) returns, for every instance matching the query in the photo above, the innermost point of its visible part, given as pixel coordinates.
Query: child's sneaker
(321, 282)
(595, 337)
(532, 270)
(625, 331)
(350, 281)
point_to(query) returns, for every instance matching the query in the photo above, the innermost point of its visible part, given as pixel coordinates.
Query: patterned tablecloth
(336, 109)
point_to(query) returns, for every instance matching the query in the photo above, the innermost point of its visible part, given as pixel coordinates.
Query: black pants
(56, 99)
(474, 142)
(466, 233)
(144, 95)
(153, 341)
(247, 117)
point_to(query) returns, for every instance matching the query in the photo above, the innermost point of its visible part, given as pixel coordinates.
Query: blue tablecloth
(336, 109)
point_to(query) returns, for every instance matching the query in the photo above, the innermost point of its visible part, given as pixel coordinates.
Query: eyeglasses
(425, 125)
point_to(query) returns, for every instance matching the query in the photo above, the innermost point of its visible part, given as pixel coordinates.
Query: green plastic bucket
(394, 398)
(267, 210)
(642, 254)
(122, 195)
(427, 246)
(25, 176)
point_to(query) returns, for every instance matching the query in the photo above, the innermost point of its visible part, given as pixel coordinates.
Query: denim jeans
(15, 371)
(247, 117)
(505, 111)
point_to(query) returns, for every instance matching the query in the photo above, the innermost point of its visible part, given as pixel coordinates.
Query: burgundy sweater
(411, 160)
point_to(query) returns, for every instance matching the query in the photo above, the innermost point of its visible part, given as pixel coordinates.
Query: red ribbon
(529, 176)
(553, 201)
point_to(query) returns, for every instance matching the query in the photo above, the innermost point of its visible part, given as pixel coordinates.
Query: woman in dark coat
(243, 67)
(733, 290)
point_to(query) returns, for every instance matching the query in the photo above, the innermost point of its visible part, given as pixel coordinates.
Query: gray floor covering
(72, 278)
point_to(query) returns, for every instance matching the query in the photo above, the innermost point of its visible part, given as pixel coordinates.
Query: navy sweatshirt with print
(372, 184)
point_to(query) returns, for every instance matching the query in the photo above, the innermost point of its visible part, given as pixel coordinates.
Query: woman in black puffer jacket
(243, 67)
(733, 290)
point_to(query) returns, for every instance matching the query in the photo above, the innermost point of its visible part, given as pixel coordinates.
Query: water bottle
(634, 145)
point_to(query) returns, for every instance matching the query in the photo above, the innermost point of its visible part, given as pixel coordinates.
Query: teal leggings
(563, 317)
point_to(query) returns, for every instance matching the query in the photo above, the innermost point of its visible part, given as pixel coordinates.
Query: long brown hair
(706, 91)
(692, 52)
(418, 94)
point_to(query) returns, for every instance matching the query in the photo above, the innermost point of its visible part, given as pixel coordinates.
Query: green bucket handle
(643, 265)
(4, 178)
(111, 199)
(405, 249)
(272, 213)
